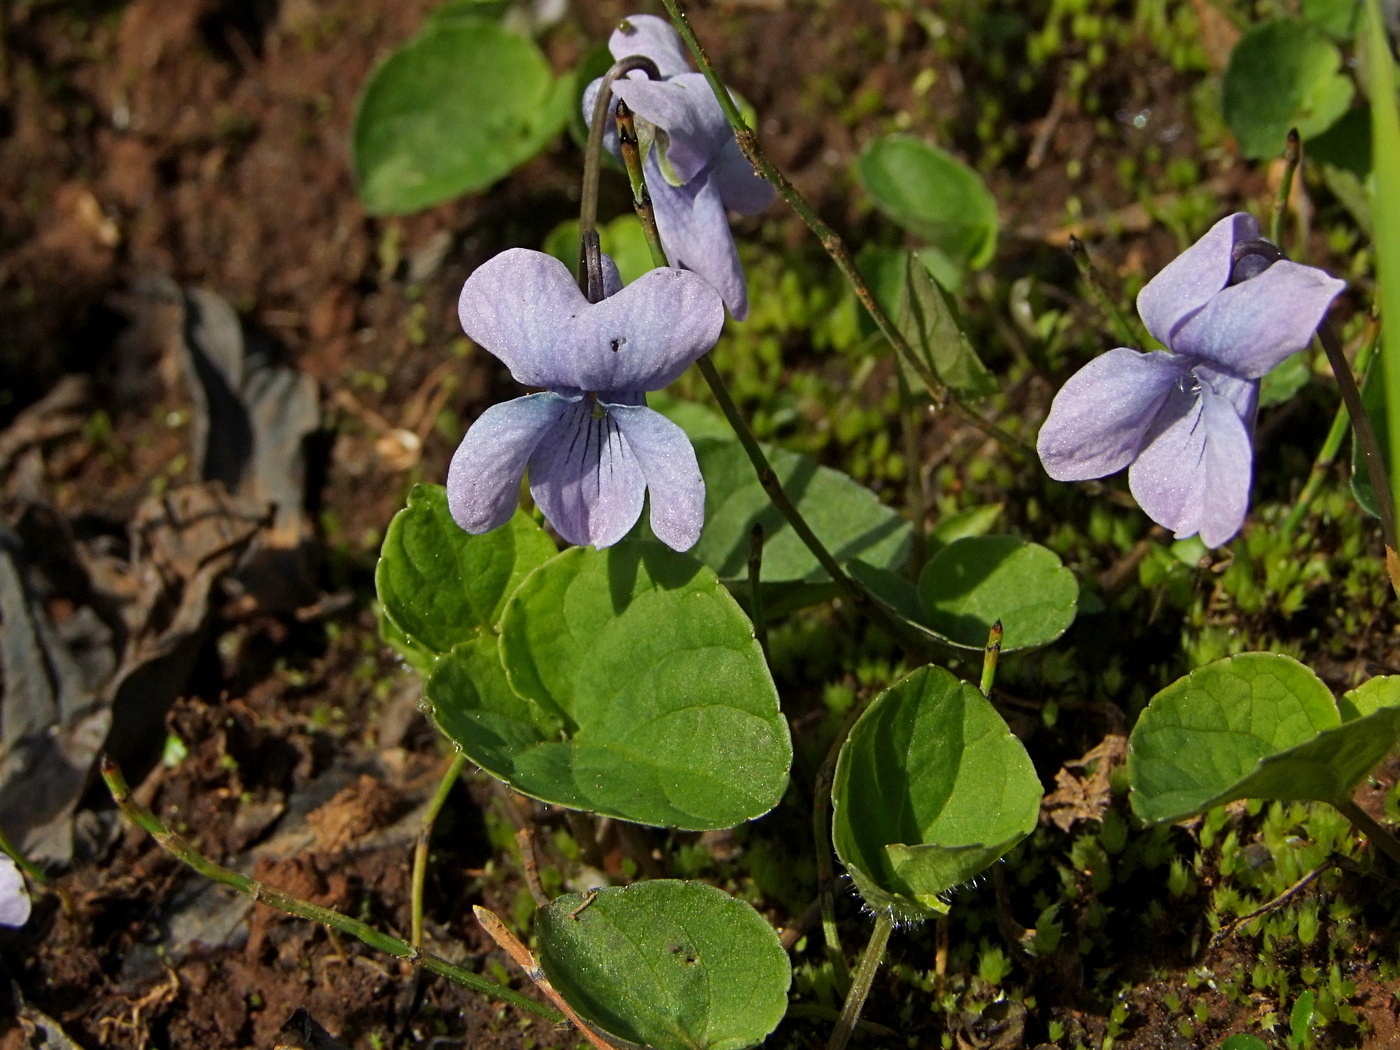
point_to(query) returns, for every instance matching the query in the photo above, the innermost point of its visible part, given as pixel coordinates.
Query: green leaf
(975, 521)
(439, 584)
(697, 420)
(1285, 379)
(635, 690)
(1282, 75)
(1243, 1041)
(622, 238)
(1337, 18)
(666, 964)
(934, 195)
(455, 109)
(1257, 725)
(1300, 1019)
(1373, 399)
(975, 581)
(844, 514)
(930, 787)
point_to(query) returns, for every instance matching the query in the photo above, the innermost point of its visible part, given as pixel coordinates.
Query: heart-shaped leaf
(452, 111)
(1256, 725)
(634, 688)
(844, 514)
(1283, 75)
(930, 787)
(440, 585)
(937, 197)
(666, 964)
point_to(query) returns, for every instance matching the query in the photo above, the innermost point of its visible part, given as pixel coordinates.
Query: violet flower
(14, 897)
(1228, 309)
(692, 164)
(592, 445)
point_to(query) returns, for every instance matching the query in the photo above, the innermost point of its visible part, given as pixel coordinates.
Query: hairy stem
(1332, 445)
(870, 960)
(835, 247)
(182, 851)
(1382, 839)
(420, 848)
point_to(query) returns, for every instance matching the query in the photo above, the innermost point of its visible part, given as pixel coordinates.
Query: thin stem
(1332, 445)
(870, 960)
(22, 862)
(500, 933)
(590, 270)
(1292, 157)
(835, 247)
(420, 848)
(182, 851)
(1382, 839)
(821, 832)
(1123, 329)
(916, 487)
(990, 657)
(631, 152)
(760, 622)
(1368, 443)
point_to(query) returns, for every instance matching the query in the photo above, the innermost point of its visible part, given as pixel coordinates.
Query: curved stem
(1292, 157)
(420, 848)
(835, 247)
(590, 269)
(870, 960)
(1382, 839)
(182, 851)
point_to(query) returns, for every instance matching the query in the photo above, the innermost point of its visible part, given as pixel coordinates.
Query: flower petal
(517, 305)
(586, 479)
(1099, 418)
(483, 482)
(1188, 281)
(1193, 473)
(1243, 394)
(667, 459)
(643, 337)
(695, 231)
(740, 187)
(653, 37)
(687, 110)
(14, 896)
(1252, 326)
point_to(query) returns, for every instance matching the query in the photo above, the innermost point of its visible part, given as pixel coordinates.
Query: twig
(529, 864)
(420, 848)
(493, 925)
(182, 851)
(1226, 932)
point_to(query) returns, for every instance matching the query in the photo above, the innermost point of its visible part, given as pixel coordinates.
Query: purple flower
(1228, 309)
(693, 166)
(592, 445)
(14, 897)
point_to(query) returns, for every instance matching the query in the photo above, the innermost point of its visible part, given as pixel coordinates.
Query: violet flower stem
(1366, 439)
(835, 247)
(1382, 839)
(870, 960)
(1333, 443)
(182, 851)
(1292, 157)
(590, 268)
(420, 848)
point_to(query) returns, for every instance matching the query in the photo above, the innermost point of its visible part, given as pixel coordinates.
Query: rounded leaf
(440, 585)
(1283, 75)
(975, 581)
(636, 690)
(452, 111)
(930, 787)
(934, 195)
(666, 964)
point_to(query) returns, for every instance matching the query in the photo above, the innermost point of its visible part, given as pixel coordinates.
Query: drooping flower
(14, 897)
(593, 447)
(1227, 309)
(693, 166)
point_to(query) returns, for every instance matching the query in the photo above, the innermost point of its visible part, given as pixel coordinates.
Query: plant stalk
(1292, 157)
(420, 848)
(870, 960)
(760, 622)
(1382, 839)
(35, 873)
(830, 240)
(990, 657)
(1123, 328)
(1370, 446)
(182, 851)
